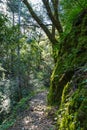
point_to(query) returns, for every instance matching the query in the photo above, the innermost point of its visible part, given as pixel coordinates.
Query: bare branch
(52, 17)
(38, 20)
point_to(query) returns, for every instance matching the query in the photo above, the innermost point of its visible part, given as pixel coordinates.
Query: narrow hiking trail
(35, 118)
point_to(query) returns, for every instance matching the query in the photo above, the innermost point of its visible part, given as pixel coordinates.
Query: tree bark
(55, 20)
(18, 55)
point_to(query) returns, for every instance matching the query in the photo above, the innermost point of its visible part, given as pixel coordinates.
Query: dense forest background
(25, 57)
(43, 45)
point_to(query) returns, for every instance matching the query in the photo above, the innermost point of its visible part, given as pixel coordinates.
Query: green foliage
(72, 113)
(23, 66)
(70, 10)
(20, 107)
(68, 82)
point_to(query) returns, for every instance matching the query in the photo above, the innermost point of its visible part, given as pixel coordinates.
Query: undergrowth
(19, 108)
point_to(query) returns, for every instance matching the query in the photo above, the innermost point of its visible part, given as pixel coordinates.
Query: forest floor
(36, 117)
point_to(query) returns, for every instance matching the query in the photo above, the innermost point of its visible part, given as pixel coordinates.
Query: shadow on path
(35, 118)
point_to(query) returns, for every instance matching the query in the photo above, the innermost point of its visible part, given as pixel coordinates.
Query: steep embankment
(69, 79)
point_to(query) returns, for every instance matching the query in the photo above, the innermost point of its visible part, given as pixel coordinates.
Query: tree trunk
(18, 54)
(55, 20)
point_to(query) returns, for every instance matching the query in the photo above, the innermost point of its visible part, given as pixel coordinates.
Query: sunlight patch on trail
(35, 118)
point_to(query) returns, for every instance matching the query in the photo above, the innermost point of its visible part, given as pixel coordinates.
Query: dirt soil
(36, 117)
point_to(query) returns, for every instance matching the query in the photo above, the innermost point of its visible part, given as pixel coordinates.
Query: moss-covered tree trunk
(69, 79)
(73, 54)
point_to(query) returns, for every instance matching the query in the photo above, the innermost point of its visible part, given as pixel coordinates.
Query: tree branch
(55, 6)
(55, 21)
(37, 19)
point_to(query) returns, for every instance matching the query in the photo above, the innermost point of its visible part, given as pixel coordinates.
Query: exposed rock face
(69, 79)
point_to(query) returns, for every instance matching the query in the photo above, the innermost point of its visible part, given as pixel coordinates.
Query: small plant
(20, 107)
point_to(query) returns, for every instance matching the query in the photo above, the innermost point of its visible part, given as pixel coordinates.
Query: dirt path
(35, 118)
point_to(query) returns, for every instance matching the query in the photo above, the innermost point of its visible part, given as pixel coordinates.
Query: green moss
(69, 79)
(72, 114)
(73, 54)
